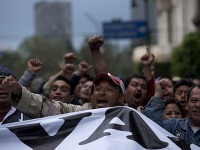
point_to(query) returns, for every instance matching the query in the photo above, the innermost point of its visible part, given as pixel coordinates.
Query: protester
(108, 92)
(69, 71)
(180, 92)
(186, 128)
(76, 96)
(33, 67)
(172, 109)
(95, 42)
(168, 93)
(61, 90)
(8, 114)
(135, 95)
(138, 92)
(86, 92)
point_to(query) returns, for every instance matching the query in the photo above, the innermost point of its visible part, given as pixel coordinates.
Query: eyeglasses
(169, 113)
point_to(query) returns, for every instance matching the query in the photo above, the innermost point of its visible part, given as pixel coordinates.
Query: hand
(148, 58)
(140, 109)
(68, 68)
(83, 68)
(95, 42)
(69, 58)
(34, 65)
(10, 85)
(160, 88)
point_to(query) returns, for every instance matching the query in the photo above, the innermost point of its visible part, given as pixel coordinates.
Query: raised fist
(34, 65)
(95, 42)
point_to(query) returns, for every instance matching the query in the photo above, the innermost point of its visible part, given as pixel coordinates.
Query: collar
(11, 111)
(185, 124)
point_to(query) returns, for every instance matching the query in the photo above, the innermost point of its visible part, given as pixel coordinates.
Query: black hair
(184, 81)
(173, 101)
(67, 81)
(137, 76)
(190, 90)
(165, 77)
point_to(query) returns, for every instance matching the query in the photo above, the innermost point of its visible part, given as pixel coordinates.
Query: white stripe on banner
(116, 128)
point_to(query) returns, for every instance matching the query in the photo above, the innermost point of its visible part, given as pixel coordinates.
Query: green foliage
(14, 62)
(50, 52)
(185, 57)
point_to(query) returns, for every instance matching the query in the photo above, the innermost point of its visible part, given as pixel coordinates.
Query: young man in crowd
(61, 90)
(181, 89)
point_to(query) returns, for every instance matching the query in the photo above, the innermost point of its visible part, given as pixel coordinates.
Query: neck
(194, 123)
(5, 108)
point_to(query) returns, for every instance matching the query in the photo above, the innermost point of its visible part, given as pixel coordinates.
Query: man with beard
(108, 92)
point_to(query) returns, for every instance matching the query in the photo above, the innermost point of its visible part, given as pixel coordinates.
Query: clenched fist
(10, 85)
(95, 42)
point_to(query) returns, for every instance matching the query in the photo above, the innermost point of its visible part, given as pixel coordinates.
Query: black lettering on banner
(36, 137)
(141, 132)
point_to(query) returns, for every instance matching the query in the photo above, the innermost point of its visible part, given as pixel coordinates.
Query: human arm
(154, 109)
(95, 42)
(33, 67)
(147, 61)
(67, 70)
(35, 105)
(83, 68)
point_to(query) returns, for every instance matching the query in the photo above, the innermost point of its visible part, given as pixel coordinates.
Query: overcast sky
(17, 18)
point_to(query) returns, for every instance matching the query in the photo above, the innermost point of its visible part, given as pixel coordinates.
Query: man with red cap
(108, 92)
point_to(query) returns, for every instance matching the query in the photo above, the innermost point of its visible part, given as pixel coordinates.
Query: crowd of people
(174, 106)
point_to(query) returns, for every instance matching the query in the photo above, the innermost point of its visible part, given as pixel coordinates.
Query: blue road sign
(125, 30)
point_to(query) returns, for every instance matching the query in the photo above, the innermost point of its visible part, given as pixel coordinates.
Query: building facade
(53, 20)
(174, 20)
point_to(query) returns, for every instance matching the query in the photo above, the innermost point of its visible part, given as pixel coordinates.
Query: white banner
(116, 128)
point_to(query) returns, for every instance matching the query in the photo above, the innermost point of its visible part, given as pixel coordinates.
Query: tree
(50, 52)
(185, 57)
(14, 62)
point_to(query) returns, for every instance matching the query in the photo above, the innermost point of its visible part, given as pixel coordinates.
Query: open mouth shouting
(138, 96)
(166, 96)
(102, 102)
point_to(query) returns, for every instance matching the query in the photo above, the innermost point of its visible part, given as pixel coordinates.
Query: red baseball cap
(112, 78)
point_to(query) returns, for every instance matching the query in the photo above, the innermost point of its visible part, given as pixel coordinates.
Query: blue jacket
(178, 127)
